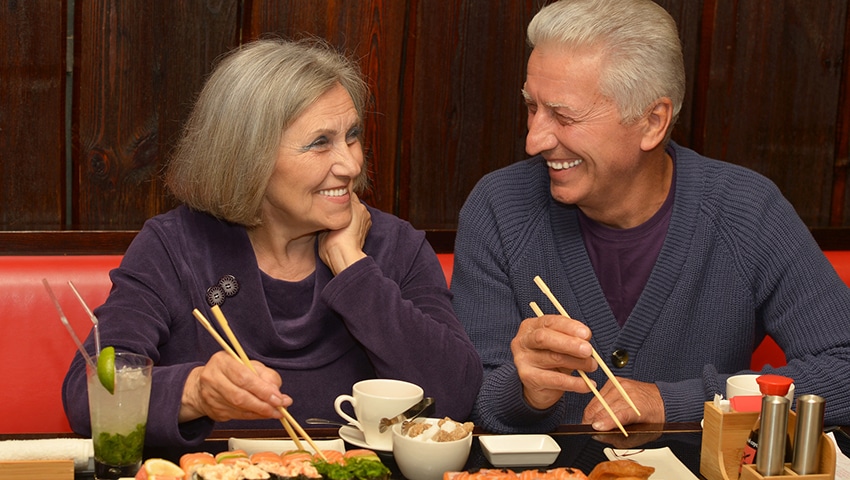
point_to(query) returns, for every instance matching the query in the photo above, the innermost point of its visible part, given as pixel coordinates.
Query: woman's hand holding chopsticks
(224, 389)
(546, 350)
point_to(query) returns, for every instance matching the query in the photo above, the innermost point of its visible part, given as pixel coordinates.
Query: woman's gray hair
(225, 158)
(639, 42)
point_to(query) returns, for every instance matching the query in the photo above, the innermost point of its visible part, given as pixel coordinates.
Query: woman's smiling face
(319, 158)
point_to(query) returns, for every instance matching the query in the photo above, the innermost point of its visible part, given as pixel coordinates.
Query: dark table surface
(581, 447)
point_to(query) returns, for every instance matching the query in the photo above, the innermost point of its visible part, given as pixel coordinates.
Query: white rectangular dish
(255, 445)
(519, 450)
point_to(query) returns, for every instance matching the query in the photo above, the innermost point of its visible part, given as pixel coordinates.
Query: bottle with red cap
(769, 384)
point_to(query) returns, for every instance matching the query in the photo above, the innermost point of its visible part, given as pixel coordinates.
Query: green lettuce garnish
(354, 469)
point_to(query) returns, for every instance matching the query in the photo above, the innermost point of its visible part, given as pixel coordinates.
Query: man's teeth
(336, 192)
(563, 165)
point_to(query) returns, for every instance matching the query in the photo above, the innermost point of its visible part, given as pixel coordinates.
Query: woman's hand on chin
(341, 248)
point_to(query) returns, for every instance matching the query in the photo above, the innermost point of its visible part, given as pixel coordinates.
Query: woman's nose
(349, 161)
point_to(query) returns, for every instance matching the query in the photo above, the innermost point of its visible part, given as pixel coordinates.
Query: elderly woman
(321, 290)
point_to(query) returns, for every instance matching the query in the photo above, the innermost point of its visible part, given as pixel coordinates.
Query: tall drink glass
(118, 419)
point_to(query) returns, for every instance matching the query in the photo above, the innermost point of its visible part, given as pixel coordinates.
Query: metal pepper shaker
(809, 431)
(772, 433)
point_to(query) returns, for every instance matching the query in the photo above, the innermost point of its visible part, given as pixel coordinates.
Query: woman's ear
(656, 124)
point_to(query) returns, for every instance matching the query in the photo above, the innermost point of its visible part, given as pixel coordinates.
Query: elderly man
(672, 266)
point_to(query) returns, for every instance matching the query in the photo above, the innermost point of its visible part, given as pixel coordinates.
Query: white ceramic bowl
(420, 458)
(519, 450)
(747, 384)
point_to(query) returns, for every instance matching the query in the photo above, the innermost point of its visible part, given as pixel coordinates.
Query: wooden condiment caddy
(723, 439)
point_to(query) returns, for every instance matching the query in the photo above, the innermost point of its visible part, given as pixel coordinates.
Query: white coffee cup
(375, 399)
(746, 384)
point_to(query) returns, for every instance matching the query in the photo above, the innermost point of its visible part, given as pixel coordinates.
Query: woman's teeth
(563, 165)
(336, 192)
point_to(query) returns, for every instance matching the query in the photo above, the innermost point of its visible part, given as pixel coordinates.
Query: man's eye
(565, 120)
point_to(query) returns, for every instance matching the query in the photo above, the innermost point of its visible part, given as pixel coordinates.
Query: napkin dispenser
(724, 435)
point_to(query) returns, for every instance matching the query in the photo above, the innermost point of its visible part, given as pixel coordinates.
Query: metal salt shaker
(773, 430)
(809, 431)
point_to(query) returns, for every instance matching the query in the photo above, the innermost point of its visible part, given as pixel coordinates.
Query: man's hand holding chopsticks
(645, 395)
(224, 389)
(546, 350)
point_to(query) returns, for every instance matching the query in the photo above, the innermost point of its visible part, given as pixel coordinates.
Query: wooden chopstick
(543, 287)
(239, 354)
(206, 323)
(593, 389)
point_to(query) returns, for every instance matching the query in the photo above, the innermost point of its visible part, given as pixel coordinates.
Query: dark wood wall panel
(768, 88)
(771, 97)
(840, 208)
(32, 113)
(688, 17)
(373, 31)
(139, 65)
(463, 114)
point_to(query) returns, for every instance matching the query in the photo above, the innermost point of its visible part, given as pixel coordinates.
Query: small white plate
(252, 445)
(519, 450)
(354, 436)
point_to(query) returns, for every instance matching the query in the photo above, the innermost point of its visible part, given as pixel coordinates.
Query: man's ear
(656, 123)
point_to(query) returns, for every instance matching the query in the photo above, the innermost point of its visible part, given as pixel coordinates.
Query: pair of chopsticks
(239, 354)
(545, 289)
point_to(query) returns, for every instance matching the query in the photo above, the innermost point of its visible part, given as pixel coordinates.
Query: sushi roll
(290, 465)
(296, 464)
(330, 456)
(231, 456)
(238, 469)
(192, 461)
(561, 473)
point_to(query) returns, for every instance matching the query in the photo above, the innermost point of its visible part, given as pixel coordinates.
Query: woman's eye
(319, 143)
(354, 134)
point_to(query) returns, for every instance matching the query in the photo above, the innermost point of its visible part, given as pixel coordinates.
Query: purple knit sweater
(389, 315)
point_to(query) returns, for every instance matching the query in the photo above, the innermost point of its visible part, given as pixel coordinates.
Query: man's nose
(541, 136)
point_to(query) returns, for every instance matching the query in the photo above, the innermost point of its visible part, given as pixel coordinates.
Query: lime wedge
(106, 368)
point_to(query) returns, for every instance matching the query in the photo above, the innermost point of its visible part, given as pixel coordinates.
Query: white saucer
(354, 436)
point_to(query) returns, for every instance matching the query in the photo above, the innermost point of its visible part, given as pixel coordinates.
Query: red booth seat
(35, 349)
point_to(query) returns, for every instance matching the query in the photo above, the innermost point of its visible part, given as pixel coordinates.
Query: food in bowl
(421, 457)
(447, 430)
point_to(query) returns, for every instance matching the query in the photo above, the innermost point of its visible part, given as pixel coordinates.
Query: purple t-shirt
(623, 258)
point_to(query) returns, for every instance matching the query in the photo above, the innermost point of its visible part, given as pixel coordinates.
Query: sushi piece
(561, 473)
(238, 469)
(261, 457)
(361, 453)
(231, 456)
(192, 461)
(330, 456)
(358, 464)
